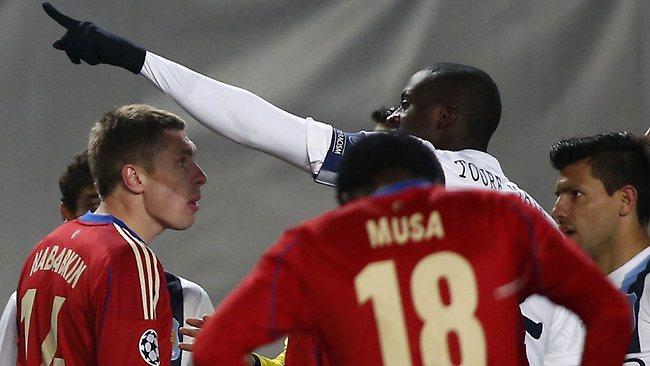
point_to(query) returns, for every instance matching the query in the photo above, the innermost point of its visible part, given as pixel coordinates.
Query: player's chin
(182, 223)
(576, 238)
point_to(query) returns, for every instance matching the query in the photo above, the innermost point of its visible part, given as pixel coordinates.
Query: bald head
(453, 106)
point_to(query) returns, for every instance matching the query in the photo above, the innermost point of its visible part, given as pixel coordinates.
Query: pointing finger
(59, 17)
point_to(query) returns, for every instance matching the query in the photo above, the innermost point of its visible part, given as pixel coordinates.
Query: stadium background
(563, 68)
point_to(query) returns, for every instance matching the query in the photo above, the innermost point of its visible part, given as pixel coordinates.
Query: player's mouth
(193, 204)
(567, 230)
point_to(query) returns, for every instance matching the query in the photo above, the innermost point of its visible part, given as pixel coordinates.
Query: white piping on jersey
(156, 282)
(142, 252)
(155, 289)
(147, 262)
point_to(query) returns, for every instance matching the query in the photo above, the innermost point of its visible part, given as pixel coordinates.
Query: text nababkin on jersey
(66, 263)
(385, 231)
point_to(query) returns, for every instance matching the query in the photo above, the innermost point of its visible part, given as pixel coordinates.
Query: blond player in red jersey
(92, 292)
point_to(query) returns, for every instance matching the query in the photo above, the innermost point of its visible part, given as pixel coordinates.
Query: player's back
(421, 275)
(90, 294)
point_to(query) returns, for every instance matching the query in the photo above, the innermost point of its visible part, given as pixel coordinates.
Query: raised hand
(195, 325)
(85, 41)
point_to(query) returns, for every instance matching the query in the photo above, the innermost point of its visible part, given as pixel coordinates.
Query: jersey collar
(401, 185)
(627, 273)
(97, 219)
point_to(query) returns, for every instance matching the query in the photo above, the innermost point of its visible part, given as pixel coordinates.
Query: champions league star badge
(148, 346)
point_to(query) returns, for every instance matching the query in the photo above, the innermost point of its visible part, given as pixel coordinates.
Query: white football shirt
(630, 278)
(9, 333)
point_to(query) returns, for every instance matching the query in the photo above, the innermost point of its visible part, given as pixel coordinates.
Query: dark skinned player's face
(417, 109)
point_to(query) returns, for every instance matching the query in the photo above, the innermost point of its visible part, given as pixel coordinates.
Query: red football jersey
(93, 293)
(420, 277)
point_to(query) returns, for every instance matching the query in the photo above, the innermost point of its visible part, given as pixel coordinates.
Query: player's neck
(626, 246)
(133, 215)
(461, 143)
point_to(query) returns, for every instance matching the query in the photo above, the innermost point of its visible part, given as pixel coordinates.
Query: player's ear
(132, 179)
(66, 213)
(444, 115)
(628, 200)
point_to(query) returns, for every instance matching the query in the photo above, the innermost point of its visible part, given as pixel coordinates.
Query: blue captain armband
(339, 145)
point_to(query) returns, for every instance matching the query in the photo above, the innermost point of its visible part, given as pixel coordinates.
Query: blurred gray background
(563, 68)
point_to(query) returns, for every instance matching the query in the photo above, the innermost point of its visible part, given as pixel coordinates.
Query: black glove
(86, 41)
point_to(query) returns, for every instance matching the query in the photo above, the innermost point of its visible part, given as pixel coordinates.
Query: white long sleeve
(9, 333)
(240, 115)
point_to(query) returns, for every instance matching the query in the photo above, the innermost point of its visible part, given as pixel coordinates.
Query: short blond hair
(126, 135)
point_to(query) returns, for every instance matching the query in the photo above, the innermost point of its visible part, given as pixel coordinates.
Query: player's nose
(199, 176)
(559, 209)
(394, 119)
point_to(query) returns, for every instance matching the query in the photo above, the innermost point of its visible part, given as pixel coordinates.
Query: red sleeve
(267, 304)
(132, 312)
(304, 350)
(560, 270)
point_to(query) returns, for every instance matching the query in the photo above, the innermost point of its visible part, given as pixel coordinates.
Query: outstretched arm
(240, 115)
(235, 113)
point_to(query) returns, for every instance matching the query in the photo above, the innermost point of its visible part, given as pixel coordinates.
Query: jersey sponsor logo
(148, 346)
(533, 328)
(148, 274)
(60, 260)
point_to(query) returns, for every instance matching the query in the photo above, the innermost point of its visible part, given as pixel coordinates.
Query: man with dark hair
(603, 203)
(453, 108)
(383, 158)
(92, 292)
(392, 278)
(78, 193)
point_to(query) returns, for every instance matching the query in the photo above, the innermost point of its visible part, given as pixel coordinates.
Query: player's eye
(181, 162)
(576, 193)
(404, 104)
